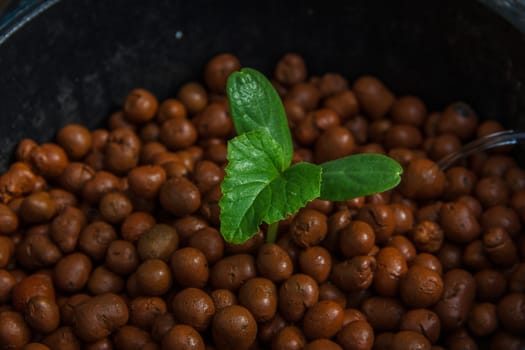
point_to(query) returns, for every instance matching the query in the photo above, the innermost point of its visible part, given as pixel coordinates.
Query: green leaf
(255, 105)
(359, 175)
(258, 187)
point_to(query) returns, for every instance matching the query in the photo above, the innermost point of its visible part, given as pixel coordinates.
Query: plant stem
(271, 232)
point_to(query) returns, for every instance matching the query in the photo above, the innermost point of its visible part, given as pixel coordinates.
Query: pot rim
(513, 11)
(22, 15)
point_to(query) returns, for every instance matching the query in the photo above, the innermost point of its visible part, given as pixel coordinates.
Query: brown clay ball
(390, 270)
(289, 337)
(234, 327)
(121, 257)
(180, 196)
(274, 263)
(323, 320)
(232, 271)
(154, 277)
(374, 97)
(42, 314)
(335, 142)
(355, 274)
(381, 218)
(423, 321)
(14, 331)
(458, 118)
(38, 208)
(49, 160)
(193, 307)
(76, 140)
(422, 180)
(383, 313)
(128, 337)
(193, 96)
(308, 228)
(218, 69)
(511, 312)
(99, 316)
(171, 108)
(259, 296)
(409, 340)
(421, 287)
(409, 110)
(159, 242)
(357, 335)
(483, 319)
(140, 106)
(189, 267)
(316, 262)
(290, 69)
(30, 286)
(357, 238)
(296, 294)
(456, 300)
(182, 337)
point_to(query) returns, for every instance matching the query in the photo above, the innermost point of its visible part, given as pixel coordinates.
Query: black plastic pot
(74, 61)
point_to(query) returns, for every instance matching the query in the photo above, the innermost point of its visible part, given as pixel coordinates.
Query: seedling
(261, 185)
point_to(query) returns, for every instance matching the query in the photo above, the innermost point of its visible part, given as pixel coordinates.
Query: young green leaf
(358, 175)
(255, 105)
(260, 187)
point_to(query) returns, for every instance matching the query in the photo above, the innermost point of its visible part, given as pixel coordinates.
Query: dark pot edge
(23, 16)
